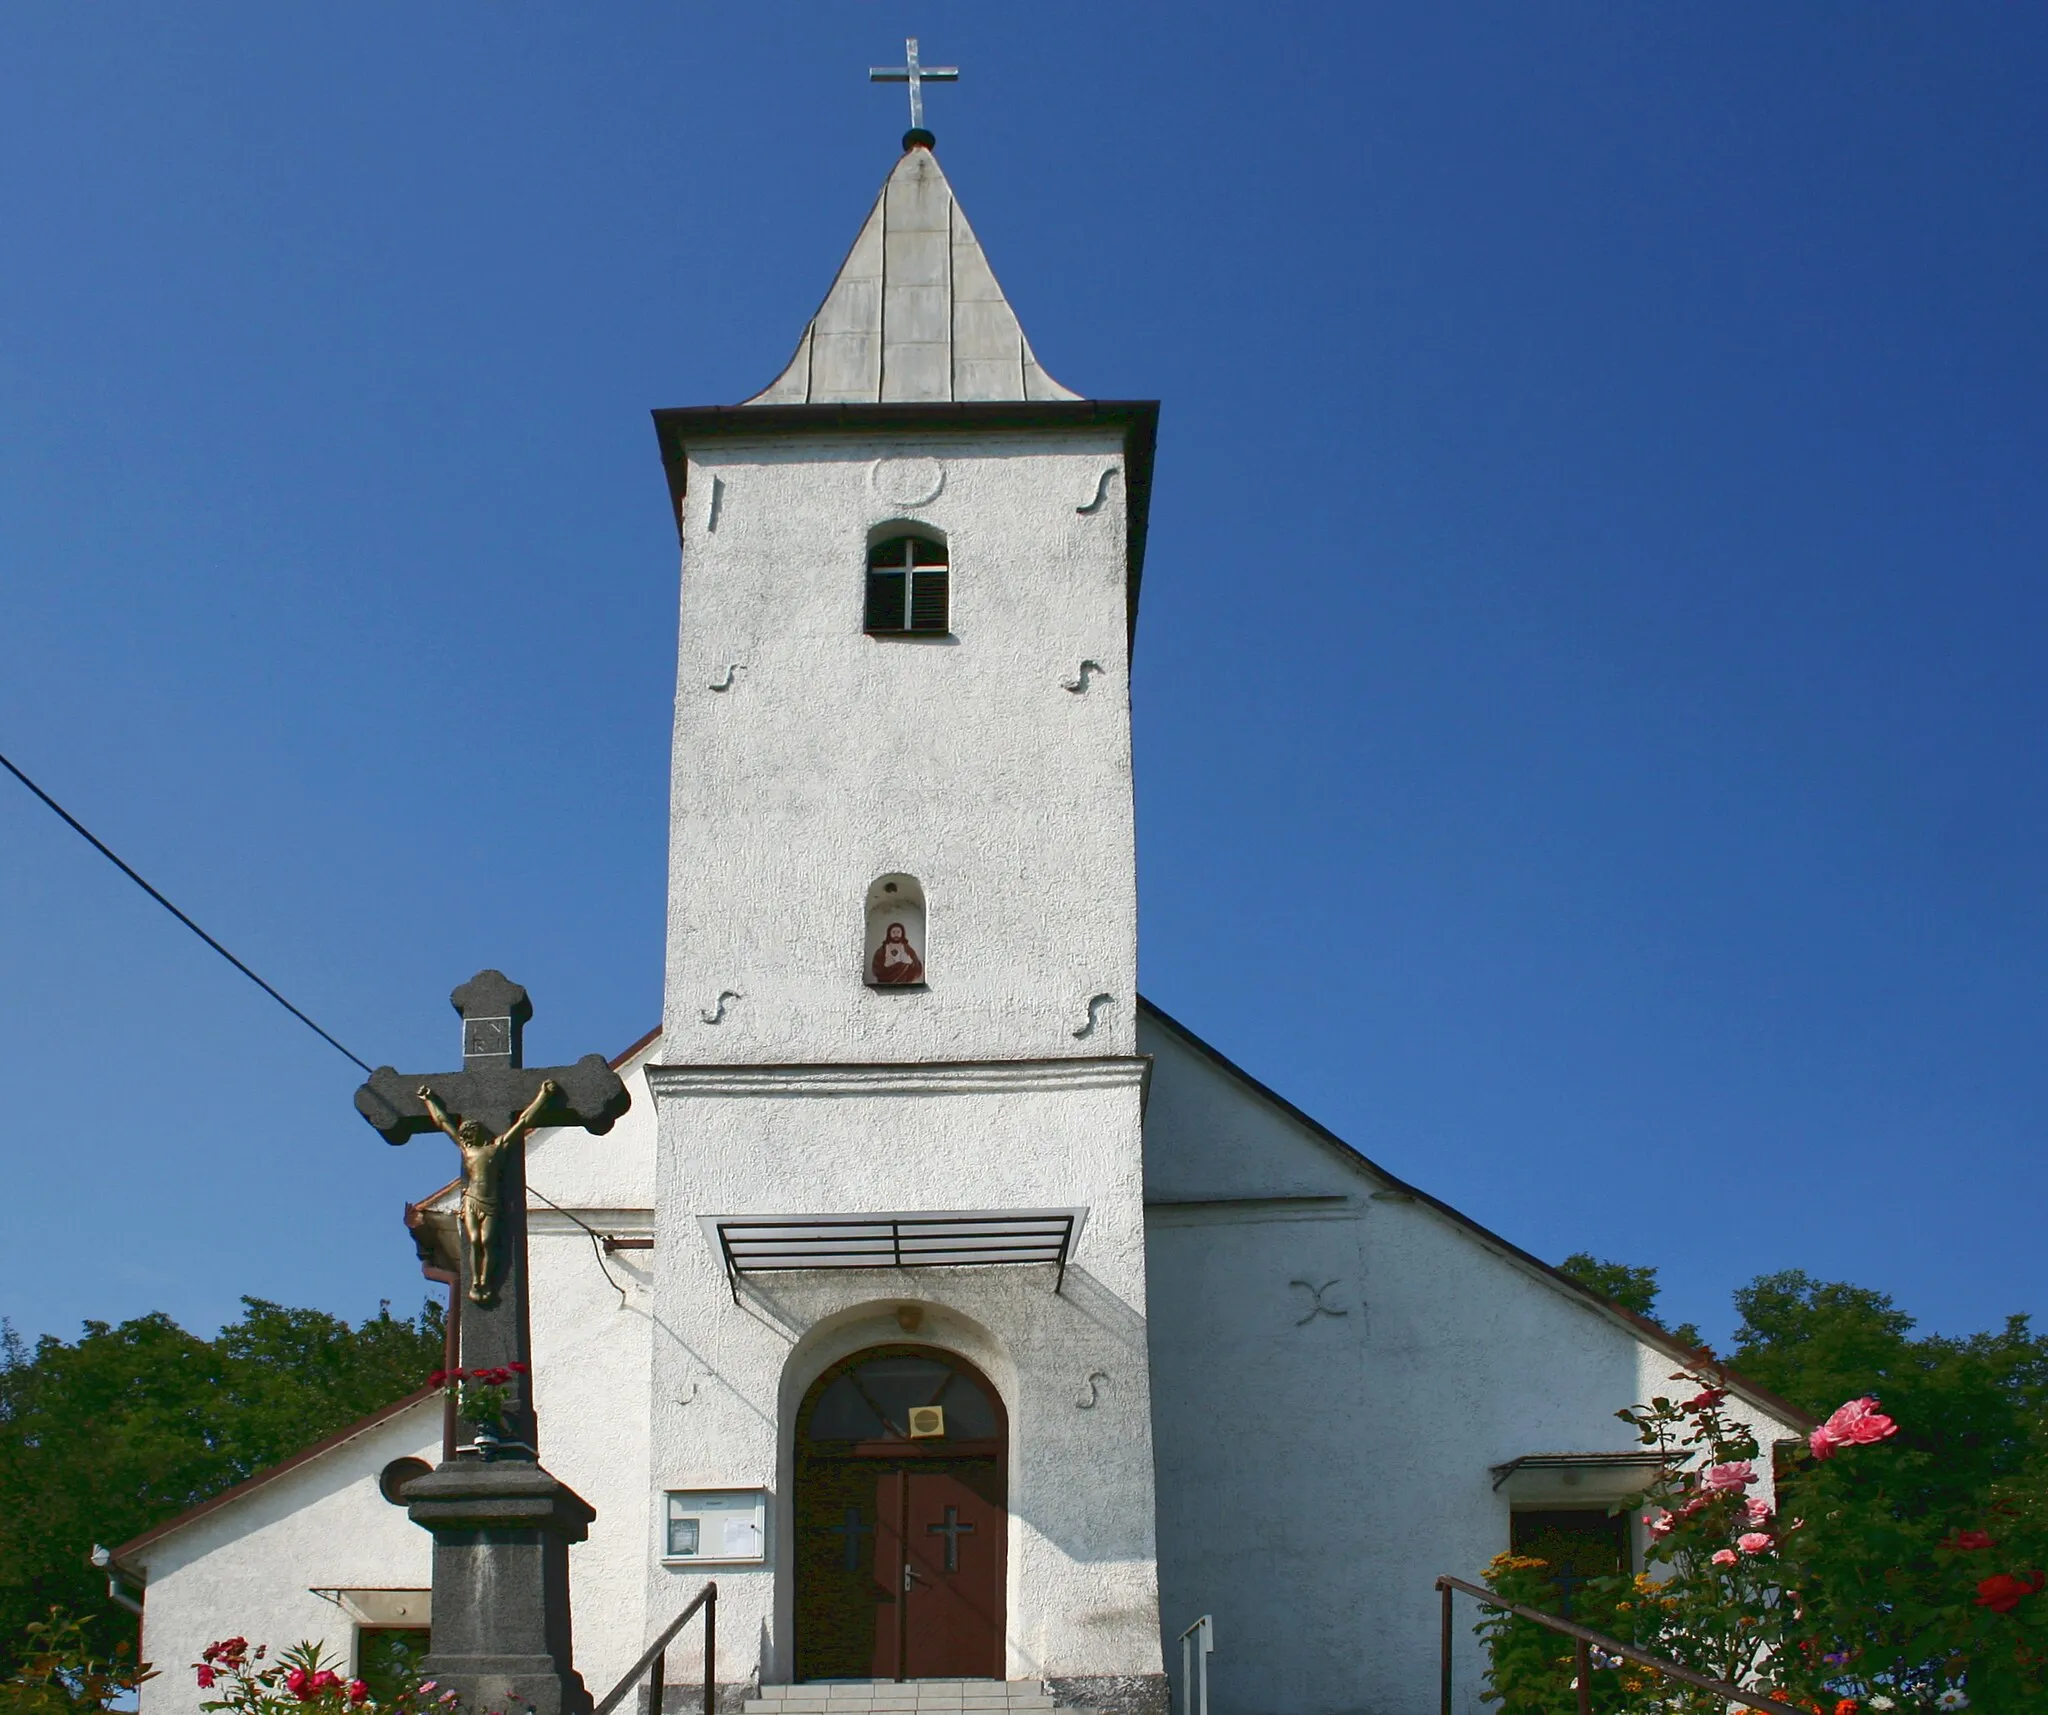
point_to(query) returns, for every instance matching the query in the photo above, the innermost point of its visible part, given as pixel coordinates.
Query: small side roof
(915, 315)
(340, 1438)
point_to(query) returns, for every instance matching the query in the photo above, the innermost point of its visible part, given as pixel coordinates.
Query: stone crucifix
(487, 1109)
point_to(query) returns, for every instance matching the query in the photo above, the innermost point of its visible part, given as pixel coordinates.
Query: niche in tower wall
(895, 943)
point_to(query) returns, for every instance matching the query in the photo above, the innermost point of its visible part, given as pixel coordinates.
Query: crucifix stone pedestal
(501, 1524)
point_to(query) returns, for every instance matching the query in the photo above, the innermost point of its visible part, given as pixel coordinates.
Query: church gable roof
(426, 1402)
(1388, 1184)
(915, 315)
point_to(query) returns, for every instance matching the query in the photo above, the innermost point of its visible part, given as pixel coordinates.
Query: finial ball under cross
(916, 76)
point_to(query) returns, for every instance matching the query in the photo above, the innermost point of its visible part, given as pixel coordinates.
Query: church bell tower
(900, 1237)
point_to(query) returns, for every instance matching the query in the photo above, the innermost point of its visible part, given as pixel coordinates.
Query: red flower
(205, 1678)
(357, 1691)
(1971, 1539)
(1847, 1706)
(296, 1682)
(325, 1680)
(518, 1369)
(2002, 1591)
(1708, 1400)
(441, 1378)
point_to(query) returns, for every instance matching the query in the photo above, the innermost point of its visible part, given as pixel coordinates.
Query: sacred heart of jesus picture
(896, 959)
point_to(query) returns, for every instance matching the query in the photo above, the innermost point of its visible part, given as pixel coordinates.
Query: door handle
(908, 1577)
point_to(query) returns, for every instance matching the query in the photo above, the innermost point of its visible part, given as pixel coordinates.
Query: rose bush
(1856, 1593)
(301, 1681)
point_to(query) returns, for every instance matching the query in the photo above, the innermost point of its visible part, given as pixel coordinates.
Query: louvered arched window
(907, 591)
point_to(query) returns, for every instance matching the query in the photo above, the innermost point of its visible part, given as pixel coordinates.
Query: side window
(907, 592)
(895, 938)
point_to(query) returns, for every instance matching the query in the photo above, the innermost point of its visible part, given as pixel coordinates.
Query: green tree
(105, 1436)
(1925, 1565)
(1631, 1287)
(1970, 1410)
(1968, 1466)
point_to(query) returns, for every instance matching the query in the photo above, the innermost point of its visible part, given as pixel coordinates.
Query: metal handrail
(656, 1659)
(1589, 1640)
(1197, 1645)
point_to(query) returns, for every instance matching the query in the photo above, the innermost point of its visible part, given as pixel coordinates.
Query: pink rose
(1753, 1542)
(1757, 1511)
(1661, 1523)
(1717, 1479)
(1724, 1557)
(1856, 1424)
(1860, 1422)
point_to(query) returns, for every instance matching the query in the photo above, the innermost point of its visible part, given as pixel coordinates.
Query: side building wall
(1337, 1367)
(254, 1565)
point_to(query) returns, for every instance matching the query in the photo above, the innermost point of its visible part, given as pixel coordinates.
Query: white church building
(963, 1315)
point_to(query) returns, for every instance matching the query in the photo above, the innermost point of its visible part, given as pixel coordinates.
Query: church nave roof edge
(1641, 1326)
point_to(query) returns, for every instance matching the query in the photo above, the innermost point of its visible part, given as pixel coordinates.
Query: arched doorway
(901, 1519)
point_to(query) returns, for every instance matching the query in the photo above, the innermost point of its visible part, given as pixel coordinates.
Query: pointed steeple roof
(915, 315)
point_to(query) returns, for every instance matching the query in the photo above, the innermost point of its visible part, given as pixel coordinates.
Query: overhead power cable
(106, 851)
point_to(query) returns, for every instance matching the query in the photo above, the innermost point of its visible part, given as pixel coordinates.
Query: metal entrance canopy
(1579, 1479)
(947, 1238)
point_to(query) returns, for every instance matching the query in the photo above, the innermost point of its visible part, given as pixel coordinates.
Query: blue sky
(1589, 685)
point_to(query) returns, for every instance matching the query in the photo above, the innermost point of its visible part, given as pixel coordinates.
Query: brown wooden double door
(900, 1572)
(900, 1542)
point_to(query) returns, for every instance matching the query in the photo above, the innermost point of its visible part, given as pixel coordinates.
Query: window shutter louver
(928, 600)
(885, 601)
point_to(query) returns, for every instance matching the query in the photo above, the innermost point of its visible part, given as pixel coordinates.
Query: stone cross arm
(495, 1085)
(588, 1094)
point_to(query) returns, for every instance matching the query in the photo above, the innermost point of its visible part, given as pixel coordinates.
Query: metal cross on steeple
(915, 75)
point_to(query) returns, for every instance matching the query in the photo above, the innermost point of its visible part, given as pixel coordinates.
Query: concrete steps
(903, 1697)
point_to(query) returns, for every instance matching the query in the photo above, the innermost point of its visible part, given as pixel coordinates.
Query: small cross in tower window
(915, 75)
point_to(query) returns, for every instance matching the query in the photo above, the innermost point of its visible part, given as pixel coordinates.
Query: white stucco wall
(1317, 1471)
(250, 1566)
(1058, 1134)
(834, 757)
(592, 1342)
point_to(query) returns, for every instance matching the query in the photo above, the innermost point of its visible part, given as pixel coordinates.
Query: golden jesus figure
(483, 1177)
